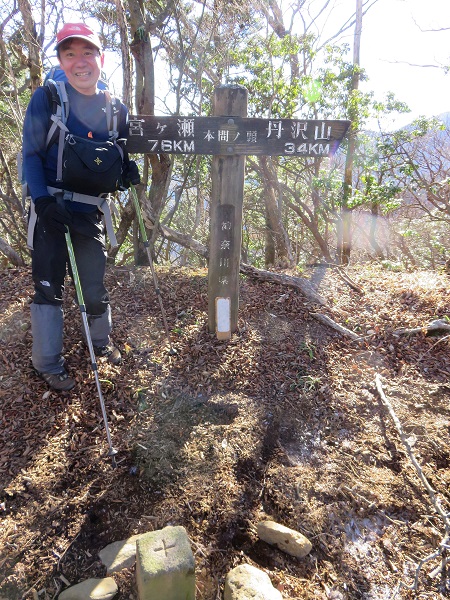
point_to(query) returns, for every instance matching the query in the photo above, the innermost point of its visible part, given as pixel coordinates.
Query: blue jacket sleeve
(35, 128)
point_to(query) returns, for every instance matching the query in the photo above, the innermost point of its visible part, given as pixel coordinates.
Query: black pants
(50, 261)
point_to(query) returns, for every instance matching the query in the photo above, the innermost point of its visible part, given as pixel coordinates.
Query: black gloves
(130, 174)
(55, 216)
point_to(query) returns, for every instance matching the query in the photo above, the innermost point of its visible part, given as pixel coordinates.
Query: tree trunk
(270, 255)
(375, 212)
(11, 254)
(346, 213)
(141, 50)
(283, 252)
(403, 246)
(126, 57)
(303, 211)
(33, 45)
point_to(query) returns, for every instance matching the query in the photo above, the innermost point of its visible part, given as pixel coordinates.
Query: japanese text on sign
(225, 243)
(234, 135)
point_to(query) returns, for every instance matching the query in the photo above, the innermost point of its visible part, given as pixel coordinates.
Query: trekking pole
(150, 260)
(112, 451)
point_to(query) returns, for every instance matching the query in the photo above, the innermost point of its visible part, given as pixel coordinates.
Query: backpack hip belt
(104, 204)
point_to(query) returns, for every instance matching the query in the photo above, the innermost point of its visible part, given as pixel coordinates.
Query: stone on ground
(119, 555)
(246, 582)
(165, 566)
(288, 540)
(91, 589)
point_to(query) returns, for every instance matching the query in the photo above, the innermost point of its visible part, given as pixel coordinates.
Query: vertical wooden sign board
(227, 193)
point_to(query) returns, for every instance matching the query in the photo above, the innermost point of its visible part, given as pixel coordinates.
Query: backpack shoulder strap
(64, 98)
(57, 95)
(112, 110)
(50, 74)
(60, 114)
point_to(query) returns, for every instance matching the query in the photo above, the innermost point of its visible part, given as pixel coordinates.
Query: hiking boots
(110, 352)
(61, 382)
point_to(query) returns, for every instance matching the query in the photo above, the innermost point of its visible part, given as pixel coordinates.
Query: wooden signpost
(229, 136)
(234, 135)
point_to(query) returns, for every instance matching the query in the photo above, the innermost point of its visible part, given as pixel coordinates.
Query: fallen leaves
(279, 421)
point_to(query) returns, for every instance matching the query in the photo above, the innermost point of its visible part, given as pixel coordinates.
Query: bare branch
(11, 254)
(405, 62)
(437, 325)
(330, 323)
(443, 546)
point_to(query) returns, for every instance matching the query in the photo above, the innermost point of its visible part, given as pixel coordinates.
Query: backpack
(84, 166)
(79, 166)
(89, 170)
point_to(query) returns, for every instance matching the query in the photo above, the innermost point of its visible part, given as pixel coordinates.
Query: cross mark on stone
(165, 547)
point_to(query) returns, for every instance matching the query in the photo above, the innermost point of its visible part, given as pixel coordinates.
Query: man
(80, 56)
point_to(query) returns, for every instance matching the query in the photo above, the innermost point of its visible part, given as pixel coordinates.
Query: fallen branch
(444, 544)
(437, 325)
(184, 240)
(343, 330)
(11, 254)
(434, 346)
(303, 285)
(344, 276)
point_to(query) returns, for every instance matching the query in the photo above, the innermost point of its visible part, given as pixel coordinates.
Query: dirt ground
(283, 421)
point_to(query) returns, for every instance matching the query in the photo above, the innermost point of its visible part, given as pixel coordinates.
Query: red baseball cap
(78, 30)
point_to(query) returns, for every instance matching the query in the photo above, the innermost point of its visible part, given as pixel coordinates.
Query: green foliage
(328, 184)
(385, 194)
(428, 240)
(308, 348)
(201, 46)
(265, 70)
(389, 105)
(312, 91)
(390, 265)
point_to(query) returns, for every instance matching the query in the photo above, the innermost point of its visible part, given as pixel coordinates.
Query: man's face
(81, 62)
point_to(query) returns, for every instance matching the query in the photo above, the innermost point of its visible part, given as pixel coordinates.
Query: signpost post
(229, 136)
(225, 220)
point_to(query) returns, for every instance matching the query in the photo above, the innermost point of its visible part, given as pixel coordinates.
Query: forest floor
(284, 421)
